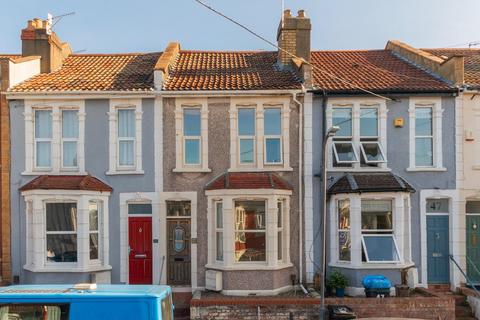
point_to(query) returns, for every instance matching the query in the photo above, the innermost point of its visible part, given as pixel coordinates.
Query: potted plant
(402, 290)
(338, 281)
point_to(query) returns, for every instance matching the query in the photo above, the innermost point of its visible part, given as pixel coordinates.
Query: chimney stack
(39, 40)
(294, 36)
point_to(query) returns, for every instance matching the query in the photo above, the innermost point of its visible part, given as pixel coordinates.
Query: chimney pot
(287, 13)
(301, 13)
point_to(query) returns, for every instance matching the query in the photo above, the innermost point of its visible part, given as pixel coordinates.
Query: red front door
(140, 247)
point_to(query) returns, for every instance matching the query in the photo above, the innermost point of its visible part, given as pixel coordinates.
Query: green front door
(473, 248)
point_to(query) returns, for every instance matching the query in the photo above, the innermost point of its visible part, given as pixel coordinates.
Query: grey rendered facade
(398, 151)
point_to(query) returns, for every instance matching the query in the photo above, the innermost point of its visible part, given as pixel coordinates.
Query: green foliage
(337, 280)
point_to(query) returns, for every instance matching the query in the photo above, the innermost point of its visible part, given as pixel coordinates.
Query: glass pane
(273, 122)
(192, 151)
(43, 123)
(246, 150)
(126, 123)
(372, 151)
(377, 215)
(423, 122)
(250, 215)
(178, 208)
(381, 248)
(246, 122)
(126, 150)
(34, 311)
(43, 154)
(473, 206)
(191, 122)
(345, 152)
(62, 247)
(69, 154)
(219, 215)
(249, 246)
(93, 246)
(93, 216)
(342, 117)
(438, 206)
(280, 245)
(424, 152)
(70, 123)
(61, 216)
(344, 214)
(140, 208)
(368, 122)
(273, 150)
(179, 240)
(280, 214)
(344, 245)
(219, 246)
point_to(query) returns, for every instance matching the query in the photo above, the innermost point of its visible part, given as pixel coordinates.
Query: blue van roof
(68, 291)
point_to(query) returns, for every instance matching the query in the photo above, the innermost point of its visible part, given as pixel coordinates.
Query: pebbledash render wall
(96, 164)
(426, 183)
(219, 163)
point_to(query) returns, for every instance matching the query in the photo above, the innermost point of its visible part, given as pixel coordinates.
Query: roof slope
(375, 70)
(248, 180)
(369, 182)
(233, 70)
(48, 182)
(472, 61)
(97, 72)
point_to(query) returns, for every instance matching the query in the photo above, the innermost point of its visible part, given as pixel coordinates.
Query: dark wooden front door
(438, 249)
(179, 262)
(140, 247)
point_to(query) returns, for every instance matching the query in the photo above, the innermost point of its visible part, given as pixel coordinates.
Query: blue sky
(148, 25)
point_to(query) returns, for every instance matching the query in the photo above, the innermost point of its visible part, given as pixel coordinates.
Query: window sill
(476, 167)
(432, 169)
(331, 169)
(56, 173)
(249, 267)
(201, 170)
(367, 266)
(70, 269)
(126, 172)
(264, 169)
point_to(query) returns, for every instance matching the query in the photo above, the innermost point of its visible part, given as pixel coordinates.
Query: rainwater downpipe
(300, 180)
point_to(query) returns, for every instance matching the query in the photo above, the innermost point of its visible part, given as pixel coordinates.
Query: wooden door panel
(473, 248)
(438, 249)
(179, 259)
(140, 245)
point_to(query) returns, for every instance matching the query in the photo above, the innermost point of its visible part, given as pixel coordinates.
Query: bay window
(219, 231)
(273, 135)
(70, 134)
(280, 230)
(361, 138)
(126, 138)
(94, 228)
(61, 232)
(250, 231)
(344, 240)
(191, 136)
(246, 135)
(43, 139)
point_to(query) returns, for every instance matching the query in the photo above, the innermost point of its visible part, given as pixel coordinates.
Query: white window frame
(356, 104)
(56, 142)
(364, 246)
(401, 230)
(193, 138)
(342, 230)
(100, 207)
(380, 148)
(39, 140)
(36, 260)
(334, 143)
(114, 167)
(281, 228)
(437, 121)
(121, 167)
(260, 104)
(217, 229)
(228, 199)
(247, 137)
(180, 105)
(279, 137)
(76, 140)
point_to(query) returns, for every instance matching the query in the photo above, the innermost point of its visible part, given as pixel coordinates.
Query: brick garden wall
(307, 308)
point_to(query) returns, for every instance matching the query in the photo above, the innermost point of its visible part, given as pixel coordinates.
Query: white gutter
(225, 93)
(300, 176)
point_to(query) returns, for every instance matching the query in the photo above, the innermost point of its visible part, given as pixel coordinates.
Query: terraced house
(178, 167)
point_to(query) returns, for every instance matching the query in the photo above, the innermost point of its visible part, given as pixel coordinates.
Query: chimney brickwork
(37, 41)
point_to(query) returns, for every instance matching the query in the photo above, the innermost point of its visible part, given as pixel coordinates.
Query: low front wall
(223, 308)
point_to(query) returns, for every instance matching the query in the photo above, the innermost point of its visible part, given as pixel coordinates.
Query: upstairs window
(43, 139)
(70, 134)
(246, 135)
(191, 136)
(273, 135)
(359, 142)
(126, 138)
(423, 137)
